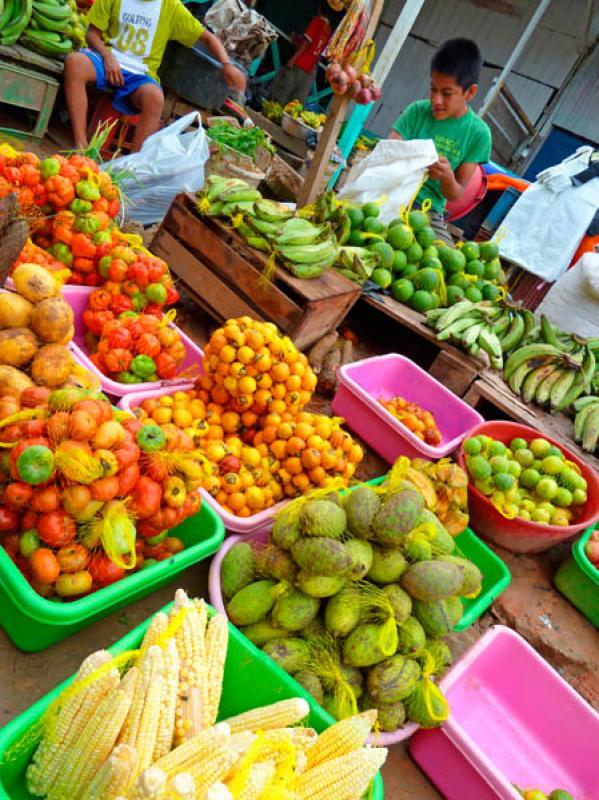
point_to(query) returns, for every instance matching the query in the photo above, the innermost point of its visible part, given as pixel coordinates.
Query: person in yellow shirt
(127, 39)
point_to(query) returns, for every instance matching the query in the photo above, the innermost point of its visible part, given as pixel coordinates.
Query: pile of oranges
(416, 419)
(250, 366)
(261, 445)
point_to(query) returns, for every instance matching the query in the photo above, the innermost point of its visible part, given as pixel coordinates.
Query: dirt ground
(530, 605)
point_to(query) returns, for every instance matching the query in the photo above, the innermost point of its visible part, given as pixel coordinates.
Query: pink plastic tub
(257, 523)
(513, 720)
(216, 599)
(77, 298)
(362, 384)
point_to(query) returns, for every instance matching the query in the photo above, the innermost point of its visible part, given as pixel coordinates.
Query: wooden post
(336, 115)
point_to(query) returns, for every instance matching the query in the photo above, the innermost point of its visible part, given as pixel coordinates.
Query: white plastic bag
(169, 162)
(570, 304)
(543, 229)
(394, 170)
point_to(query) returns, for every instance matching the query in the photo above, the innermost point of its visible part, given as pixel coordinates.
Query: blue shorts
(131, 82)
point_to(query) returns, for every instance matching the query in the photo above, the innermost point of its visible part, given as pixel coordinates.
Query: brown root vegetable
(320, 349)
(347, 352)
(327, 380)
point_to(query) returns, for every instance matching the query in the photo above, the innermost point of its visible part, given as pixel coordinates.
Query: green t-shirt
(139, 30)
(465, 140)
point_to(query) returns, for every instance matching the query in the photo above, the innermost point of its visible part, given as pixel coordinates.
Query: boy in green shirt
(127, 39)
(462, 139)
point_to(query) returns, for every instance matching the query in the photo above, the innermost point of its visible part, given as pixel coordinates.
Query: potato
(17, 346)
(52, 319)
(34, 283)
(14, 379)
(52, 365)
(15, 311)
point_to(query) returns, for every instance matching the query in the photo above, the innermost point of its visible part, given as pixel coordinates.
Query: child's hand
(234, 77)
(441, 170)
(112, 69)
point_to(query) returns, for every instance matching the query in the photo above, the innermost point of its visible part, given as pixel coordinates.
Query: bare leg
(150, 101)
(78, 72)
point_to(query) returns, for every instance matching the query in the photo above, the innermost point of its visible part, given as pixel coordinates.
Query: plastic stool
(120, 137)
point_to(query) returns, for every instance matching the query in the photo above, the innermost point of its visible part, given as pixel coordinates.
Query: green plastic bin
(578, 580)
(251, 679)
(496, 576)
(34, 623)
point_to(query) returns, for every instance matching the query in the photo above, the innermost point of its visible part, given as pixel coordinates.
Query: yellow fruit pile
(250, 366)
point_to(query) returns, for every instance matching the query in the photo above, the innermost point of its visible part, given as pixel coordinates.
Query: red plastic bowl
(520, 535)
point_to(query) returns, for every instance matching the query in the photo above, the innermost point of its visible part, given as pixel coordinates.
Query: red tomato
(35, 397)
(10, 542)
(105, 489)
(127, 454)
(120, 339)
(9, 520)
(166, 366)
(104, 571)
(73, 557)
(76, 498)
(138, 273)
(58, 427)
(146, 498)
(117, 271)
(34, 427)
(45, 500)
(146, 531)
(82, 426)
(17, 495)
(56, 528)
(148, 345)
(118, 360)
(156, 269)
(44, 565)
(128, 477)
(29, 521)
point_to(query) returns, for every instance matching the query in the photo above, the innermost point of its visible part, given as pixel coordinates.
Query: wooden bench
(222, 273)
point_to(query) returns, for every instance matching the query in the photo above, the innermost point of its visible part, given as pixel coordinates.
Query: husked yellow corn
(217, 637)
(157, 627)
(141, 726)
(166, 724)
(202, 746)
(115, 776)
(301, 738)
(342, 737)
(96, 742)
(217, 768)
(276, 715)
(190, 640)
(342, 778)
(149, 786)
(64, 731)
(218, 791)
(181, 787)
(259, 777)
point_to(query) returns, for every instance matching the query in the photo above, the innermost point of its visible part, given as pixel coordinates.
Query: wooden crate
(452, 367)
(222, 273)
(490, 389)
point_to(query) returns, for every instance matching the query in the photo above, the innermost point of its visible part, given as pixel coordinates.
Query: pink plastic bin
(77, 298)
(364, 382)
(216, 600)
(257, 523)
(513, 720)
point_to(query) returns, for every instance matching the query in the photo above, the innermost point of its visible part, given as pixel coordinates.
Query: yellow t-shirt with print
(128, 33)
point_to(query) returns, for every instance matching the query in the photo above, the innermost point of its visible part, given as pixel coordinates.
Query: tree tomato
(10, 542)
(17, 495)
(44, 565)
(12, 433)
(173, 544)
(146, 498)
(104, 571)
(73, 557)
(45, 499)
(56, 528)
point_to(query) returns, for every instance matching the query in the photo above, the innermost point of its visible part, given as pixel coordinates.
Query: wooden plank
(295, 146)
(213, 251)
(453, 372)
(320, 318)
(216, 295)
(24, 56)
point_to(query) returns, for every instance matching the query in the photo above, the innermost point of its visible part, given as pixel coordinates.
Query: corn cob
(217, 768)
(259, 777)
(343, 778)
(217, 634)
(149, 786)
(341, 738)
(156, 628)
(181, 787)
(218, 791)
(166, 725)
(96, 742)
(204, 745)
(276, 715)
(114, 776)
(152, 701)
(300, 738)
(65, 731)
(191, 647)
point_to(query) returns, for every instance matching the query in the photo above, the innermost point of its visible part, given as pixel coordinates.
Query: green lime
(563, 498)
(402, 290)
(504, 481)
(529, 478)
(524, 457)
(357, 239)
(492, 270)
(499, 463)
(414, 253)
(471, 251)
(524, 514)
(490, 292)
(555, 451)
(417, 220)
(430, 262)
(497, 448)
(528, 504)
(430, 252)
(479, 468)
(518, 444)
(454, 295)
(373, 225)
(515, 469)
(400, 237)
(427, 279)
(472, 446)
(551, 465)
(560, 794)
(382, 276)
(475, 267)
(455, 280)
(422, 301)
(541, 515)
(384, 252)
(452, 259)
(488, 250)
(409, 269)
(579, 497)
(394, 222)
(486, 486)
(425, 236)
(436, 300)
(540, 448)
(371, 210)
(547, 488)
(473, 294)
(400, 260)
(356, 217)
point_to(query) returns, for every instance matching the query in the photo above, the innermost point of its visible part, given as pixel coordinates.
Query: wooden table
(223, 275)
(452, 367)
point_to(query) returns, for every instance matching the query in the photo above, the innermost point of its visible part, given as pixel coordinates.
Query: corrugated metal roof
(576, 110)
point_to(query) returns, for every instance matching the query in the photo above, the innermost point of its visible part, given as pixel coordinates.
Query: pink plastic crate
(257, 523)
(77, 297)
(362, 384)
(513, 720)
(216, 599)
